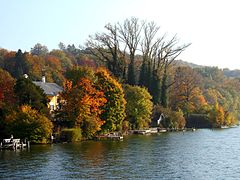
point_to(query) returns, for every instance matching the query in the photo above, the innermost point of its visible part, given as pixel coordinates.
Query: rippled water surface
(203, 154)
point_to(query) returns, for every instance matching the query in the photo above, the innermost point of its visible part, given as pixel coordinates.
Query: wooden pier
(142, 131)
(14, 144)
(110, 136)
(148, 131)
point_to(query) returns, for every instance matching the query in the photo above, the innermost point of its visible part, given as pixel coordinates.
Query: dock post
(28, 144)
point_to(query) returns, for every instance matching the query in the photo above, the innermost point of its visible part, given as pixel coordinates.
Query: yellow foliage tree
(29, 123)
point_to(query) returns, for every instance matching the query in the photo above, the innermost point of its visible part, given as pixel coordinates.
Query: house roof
(50, 89)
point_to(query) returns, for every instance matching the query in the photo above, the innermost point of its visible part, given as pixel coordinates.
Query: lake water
(203, 154)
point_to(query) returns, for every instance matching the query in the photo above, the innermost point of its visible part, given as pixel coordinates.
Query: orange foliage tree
(82, 107)
(7, 97)
(217, 115)
(186, 95)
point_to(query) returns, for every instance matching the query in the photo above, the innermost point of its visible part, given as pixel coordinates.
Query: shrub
(172, 119)
(29, 123)
(71, 135)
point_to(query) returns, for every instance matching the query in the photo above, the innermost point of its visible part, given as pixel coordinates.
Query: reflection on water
(204, 154)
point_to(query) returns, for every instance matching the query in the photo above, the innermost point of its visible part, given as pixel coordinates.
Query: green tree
(172, 119)
(114, 110)
(139, 106)
(155, 88)
(16, 64)
(29, 123)
(28, 93)
(77, 72)
(39, 50)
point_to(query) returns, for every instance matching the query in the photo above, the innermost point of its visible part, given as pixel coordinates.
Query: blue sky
(211, 26)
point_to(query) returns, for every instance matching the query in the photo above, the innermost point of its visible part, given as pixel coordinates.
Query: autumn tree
(29, 123)
(114, 110)
(139, 106)
(77, 72)
(82, 106)
(217, 115)
(171, 119)
(230, 119)
(3, 53)
(36, 65)
(54, 67)
(186, 92)
(7, 98)
(7, 82)
(65, 60)
(213, 96)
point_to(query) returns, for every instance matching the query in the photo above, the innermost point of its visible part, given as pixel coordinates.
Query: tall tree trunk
(155, 89)
(143, 73)
(164, 89)
(131, 72)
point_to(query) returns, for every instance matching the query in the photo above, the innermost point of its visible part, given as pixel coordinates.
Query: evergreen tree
(29, 94)
(164, 91)
(155, 89)
(131, 73)
(143, 74)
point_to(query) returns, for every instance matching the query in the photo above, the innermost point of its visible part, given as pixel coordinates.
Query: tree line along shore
(122, 79)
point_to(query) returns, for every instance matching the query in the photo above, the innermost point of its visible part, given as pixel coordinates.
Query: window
(52, 107)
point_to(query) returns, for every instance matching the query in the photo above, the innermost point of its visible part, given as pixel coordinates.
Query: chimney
(25, 76)
(43, 79)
